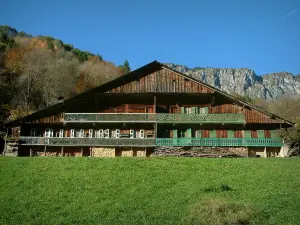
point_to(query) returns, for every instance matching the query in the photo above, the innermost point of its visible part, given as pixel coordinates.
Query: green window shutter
(274, 134)
(174, 133)
(230, 133)
(205, 110)
(202, 110)
(247, 133)
(199, 133)
(212, 134)
(182, 110)
(261, 134)
(189, 133)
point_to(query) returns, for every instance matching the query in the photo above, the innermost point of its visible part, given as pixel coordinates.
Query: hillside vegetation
(36, 71)
(149, 191)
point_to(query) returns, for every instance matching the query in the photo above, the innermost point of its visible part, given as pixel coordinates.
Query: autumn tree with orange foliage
(33, 75)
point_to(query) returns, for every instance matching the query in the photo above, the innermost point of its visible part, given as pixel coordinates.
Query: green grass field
(149, 191)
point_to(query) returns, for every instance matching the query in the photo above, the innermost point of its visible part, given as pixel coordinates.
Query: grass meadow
(45, 190)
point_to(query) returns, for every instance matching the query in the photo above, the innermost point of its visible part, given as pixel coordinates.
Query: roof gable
(154, 77)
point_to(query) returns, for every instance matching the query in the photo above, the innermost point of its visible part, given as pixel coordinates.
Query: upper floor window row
(101, 133)
(194, 110)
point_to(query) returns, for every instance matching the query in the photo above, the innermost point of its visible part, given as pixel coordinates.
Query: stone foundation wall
(211, 152)
(239, 151)
(265, 152)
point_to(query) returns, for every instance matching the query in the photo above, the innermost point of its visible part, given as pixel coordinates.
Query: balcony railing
(109, 117)
(155, 118)
(151, 142)
(235, 142)
(67, 141)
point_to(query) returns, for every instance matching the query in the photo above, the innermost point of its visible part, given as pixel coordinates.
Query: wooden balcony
(229, 118)
(67, 141)
(151, 142)
(220, 142)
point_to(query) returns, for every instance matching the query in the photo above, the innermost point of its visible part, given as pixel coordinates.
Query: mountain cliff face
(245, 82)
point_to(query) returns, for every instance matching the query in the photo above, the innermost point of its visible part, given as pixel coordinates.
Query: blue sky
(263, 35)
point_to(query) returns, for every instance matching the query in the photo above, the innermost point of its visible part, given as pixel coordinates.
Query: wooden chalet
(150, 107)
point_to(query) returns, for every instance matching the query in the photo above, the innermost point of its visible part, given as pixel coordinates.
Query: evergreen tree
(125, 68)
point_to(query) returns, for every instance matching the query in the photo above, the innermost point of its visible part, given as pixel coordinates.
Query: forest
(36, 71)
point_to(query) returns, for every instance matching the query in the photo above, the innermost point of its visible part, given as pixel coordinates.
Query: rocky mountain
(245, 82)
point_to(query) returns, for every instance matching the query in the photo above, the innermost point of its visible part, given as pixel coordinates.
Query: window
(142, 133)
(49, 132)
(131, 133)
(203, 110)
(90, 133)
(188, 110)
(261, 134)
(197, 133)
(117, 133)
(106, 133)
(72, 133)
(61, 133)
(81, 133)
(99, 133)
(32, 132)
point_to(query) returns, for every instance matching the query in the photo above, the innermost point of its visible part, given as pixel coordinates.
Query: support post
(45, 148)
(5, 143)
(62, 151)
(30, 152)
(154, 105)
(265, 152)
(81, 152)
(154, 111)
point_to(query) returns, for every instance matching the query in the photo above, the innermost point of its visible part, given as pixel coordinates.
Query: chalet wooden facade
(150, 107)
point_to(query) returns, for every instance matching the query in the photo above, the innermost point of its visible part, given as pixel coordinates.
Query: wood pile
(126, 153)
(103, 152)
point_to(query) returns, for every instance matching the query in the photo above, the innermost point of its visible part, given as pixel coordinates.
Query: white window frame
(100, 133)
(72, 134)
(188, 110)
(48, 132)
(117, 133)
(90, 133)
(32, 132)
(142, 133)
(61, 133)
(131, 133)
(106, 133)
(81, 133)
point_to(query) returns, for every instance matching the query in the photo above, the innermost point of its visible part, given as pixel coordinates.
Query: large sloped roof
(146, 69)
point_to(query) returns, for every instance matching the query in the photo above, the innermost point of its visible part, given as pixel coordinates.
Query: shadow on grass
(221, 188)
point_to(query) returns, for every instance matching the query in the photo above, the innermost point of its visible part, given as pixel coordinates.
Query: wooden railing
(219, 142)
(67, 141)
(151, 142)
(155, 118)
